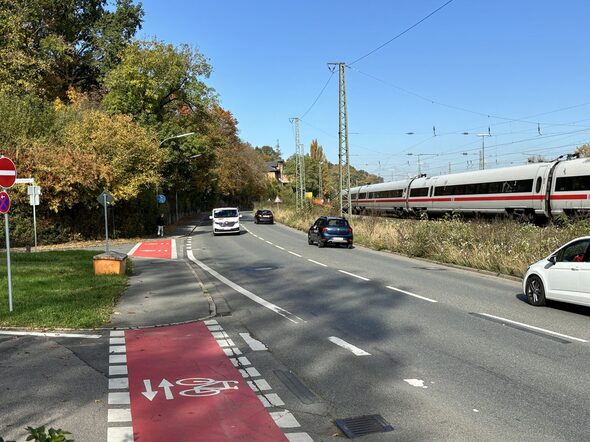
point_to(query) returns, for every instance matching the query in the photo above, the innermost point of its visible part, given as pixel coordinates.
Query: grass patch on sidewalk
(57, 289)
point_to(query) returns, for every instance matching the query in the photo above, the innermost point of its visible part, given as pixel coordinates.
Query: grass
(57, 289)
(500, 246)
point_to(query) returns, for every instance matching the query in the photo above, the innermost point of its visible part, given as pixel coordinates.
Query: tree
(269, 153)
(155, 81)
(48, 46)
(584, 150)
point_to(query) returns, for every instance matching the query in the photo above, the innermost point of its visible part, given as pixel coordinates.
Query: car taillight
(324, 229)
(350, 230)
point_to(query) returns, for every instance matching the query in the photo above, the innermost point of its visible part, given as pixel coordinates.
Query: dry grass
(500, 246)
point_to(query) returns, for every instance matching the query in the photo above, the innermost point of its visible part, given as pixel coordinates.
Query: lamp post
(321, 195)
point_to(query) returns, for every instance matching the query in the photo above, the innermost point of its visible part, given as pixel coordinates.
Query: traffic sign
(4, 202)
(161, 199)
(105, 197)
(34, 192)
(7, 173)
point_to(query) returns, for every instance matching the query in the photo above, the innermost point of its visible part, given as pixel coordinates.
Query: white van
(226, 220)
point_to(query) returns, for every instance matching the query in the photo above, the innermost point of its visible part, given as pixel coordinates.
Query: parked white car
(226, 220)
(563, 276)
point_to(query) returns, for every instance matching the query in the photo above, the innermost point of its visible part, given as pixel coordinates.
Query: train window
(420, 191)
(538, 186)
(572, 183)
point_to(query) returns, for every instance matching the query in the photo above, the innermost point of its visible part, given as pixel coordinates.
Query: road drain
(359, 426)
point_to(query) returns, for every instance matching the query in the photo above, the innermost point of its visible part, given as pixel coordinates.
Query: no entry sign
(7, 173)
(4, 202)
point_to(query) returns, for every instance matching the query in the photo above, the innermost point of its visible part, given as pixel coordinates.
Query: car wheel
(350, 246)
(309, 241)
(321, 243)
(535, 291)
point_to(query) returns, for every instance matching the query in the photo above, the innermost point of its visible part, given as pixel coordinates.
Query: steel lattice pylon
(299, 166)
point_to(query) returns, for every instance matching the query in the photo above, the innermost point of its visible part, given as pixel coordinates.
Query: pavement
(61, 380)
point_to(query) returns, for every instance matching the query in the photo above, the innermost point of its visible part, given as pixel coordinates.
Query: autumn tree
(584, 150)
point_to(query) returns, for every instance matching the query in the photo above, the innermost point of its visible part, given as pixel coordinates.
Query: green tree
(269, 153)
(48, 46)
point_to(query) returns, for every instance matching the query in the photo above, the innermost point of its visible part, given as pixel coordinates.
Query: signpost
(34, 192)
(105, 199)
(7, 179)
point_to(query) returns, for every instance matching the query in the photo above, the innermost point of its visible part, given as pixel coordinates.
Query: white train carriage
(538, 190)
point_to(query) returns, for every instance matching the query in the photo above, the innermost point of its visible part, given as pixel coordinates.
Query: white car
(563, 276)
(226, 220)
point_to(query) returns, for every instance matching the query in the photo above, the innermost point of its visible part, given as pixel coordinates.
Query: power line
(401, 33)
(319, 95)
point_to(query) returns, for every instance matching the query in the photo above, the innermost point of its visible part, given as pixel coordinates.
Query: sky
(514, 75)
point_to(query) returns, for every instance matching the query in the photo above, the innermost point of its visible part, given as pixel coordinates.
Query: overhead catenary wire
(318, 97)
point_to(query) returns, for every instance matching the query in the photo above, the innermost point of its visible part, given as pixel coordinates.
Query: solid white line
(356, 276)
(318, 263)
(174, 251)
(135, 247)
(279, 247)
(534, 328)
(275, 308)
(293, 253)
(50, 335)
(411, 294)
(268, 242)
(342, 343)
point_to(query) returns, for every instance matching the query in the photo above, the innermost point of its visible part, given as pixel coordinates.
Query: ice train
(536, 192)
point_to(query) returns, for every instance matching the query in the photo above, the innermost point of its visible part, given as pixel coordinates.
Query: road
(440, 353)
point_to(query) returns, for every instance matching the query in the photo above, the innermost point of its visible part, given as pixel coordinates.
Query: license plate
(338, 239)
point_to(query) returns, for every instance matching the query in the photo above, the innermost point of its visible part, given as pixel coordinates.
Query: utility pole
(482, 155)
(299, 166)
(321, 193)
(343, 169)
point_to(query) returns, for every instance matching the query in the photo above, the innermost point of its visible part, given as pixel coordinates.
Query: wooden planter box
(112, 263)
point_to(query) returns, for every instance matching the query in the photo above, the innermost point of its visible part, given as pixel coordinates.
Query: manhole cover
(359, 426)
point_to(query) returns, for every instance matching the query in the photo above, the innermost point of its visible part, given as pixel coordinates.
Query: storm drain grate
(359, 426)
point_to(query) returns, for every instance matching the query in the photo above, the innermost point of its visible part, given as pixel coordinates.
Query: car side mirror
(552, 259)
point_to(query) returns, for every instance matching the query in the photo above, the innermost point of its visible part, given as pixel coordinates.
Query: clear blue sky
(512, 66)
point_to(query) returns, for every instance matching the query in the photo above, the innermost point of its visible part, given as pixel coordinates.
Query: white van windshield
(227, 213)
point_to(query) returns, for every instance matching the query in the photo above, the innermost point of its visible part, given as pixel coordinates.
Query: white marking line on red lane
(318, 263)
(293, 253)
(50, 335)
(352, 274)
(342, 343)
(532, 327)
(411, 294)
(248, 294)
(135, 247)
(279, 247)
(174, 254)
(254, 344)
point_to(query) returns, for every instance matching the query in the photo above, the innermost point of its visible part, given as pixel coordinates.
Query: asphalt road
(452, 354)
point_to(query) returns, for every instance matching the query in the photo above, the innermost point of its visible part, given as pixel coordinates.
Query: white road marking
(135, 247)
(534, 328)
(115, 370)
(268, 242)
(117, 349)
(215, 328)
(119, 398)
(299, 437)
(352, 274)
(119, 415)
(284, 419)
(116, 341)
(223, 343)
(174, 252)
(249, 372)
(117, 359)
(318, 263)
(293, 253)
(416, 383)
(211, 322)
(118, 384)
(117, 333)
(232, 351)
(259, 385)
(49, 335)
(120, 434)
(271, 400)
(220, 335)
(279, 247)
(411, 294)
(248, 294)
(254, 344)
(342, 343)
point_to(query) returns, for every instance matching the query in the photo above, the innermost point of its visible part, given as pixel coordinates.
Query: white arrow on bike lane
(148, 393)
(165, 384)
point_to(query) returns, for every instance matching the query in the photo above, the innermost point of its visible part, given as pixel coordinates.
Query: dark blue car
(330, 230)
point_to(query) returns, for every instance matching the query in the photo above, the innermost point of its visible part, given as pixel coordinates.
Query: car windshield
(337, 223)
(227, 213)
(265, 212)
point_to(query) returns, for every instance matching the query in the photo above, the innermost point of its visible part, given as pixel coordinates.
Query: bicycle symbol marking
(205, 386)
(201, 387)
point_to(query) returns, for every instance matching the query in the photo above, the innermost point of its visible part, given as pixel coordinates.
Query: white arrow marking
(148, 393)
(165, 384)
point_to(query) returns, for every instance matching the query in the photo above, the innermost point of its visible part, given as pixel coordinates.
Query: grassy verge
(500, 246)
(57, 290)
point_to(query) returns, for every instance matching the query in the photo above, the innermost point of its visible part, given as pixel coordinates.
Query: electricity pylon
(299, 166)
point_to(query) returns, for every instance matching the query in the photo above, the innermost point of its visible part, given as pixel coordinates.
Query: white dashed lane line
(295, 254)
(411, 294)
(342, 343)
(268, 242)
(352, 274)
(279, 247)
(318, 263)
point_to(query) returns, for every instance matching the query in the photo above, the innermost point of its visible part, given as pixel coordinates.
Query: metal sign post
(7, 232)
(7, 179)
(34, 192)
(104, 200)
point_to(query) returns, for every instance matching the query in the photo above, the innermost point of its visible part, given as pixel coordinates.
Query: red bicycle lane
(184, 388)
(154, 249)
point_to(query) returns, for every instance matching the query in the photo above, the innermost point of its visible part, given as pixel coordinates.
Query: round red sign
(4, 202)
(7, 173)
